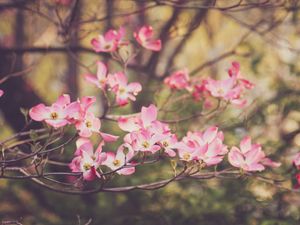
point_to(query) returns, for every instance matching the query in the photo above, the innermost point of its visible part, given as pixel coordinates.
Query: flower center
(186, 156)
(122, 90)
(146, 144)
(165, 144)
(107, 46)
(54, 115)
(88, 124)
(87, 166)
(220, 91)
(116, 162)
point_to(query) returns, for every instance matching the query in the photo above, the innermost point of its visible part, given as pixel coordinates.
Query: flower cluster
(64, 112)
(250, 157)
(230, 90)
(116, 82)
(113, 39)
(145, 134)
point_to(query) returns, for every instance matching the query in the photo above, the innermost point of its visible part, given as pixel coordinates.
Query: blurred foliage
(269, 57)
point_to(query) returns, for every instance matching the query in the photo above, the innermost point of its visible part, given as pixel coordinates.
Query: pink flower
(100, 79)
(234, 71)
(178, 80)
(145, 119)
(124, 91)
(88, 125)
(88, 161)
(55, 115)
(249, 157)
(145, 38)
(120, 162)
(296, 160)
(80, 108)
(145, 141)
(1, 92)
(169, 144)
(206, 146)
(109, 42)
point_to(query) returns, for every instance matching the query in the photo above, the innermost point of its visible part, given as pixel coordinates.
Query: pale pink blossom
(80, 108)
(144, 36)
(109, 42)
(1, 92)
(249, 157)
(88, 125)
(123, 90)
(55, 115)
(120, 162)
(169, 144)
(100, 79)
(206, 146)
(145, 141)
(88, 161)
(145, 119)
(178, 80)
(234, 71)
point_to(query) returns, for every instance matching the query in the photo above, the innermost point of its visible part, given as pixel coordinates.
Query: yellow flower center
(88, 124)
(220, 91)
(122, 90)
(146, 144)
(186, 156)
(116, 162)
(54, 115)
(165, 144)
(87, 166)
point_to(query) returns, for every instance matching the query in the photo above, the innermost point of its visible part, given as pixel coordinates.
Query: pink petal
(101, 70)
(148, 115)
(245, 144)
(126, 171)
(268, 162)
(235, 157)
(108, 137)
(128, 124)
(210, 134)
(63, 100)
(91, 78)
(39, 112)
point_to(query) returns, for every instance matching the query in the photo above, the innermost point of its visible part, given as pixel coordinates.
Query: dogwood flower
(124, 91)
(100, 79)
(87, 161)
(234, 71)
(145, 119)
(120, 162)
(169, 144)
(145, 141)
(109, 42)
(249, 157)
(178, 80)
(206, 146)
(88, 125)
(55, 115)
(144, 37)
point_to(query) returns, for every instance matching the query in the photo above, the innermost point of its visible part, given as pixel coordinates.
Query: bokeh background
(46, 45)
